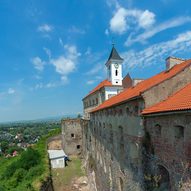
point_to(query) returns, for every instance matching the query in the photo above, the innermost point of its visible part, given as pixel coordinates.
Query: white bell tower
(114, 67)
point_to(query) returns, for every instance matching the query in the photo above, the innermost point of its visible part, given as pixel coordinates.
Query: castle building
(139, 138)
(168, 124)
(107, 88)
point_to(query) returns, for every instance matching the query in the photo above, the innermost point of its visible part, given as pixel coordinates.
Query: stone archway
(164, 178)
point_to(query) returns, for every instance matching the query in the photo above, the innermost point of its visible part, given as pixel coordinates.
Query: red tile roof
(99, 86)
(143, 86)
(181, 100)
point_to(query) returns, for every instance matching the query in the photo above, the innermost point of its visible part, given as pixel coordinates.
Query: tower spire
(114, 67)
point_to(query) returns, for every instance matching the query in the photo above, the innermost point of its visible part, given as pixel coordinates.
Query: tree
(4, 146)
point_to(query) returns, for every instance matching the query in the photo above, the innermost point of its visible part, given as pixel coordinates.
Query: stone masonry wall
(119, 150)
(170, 139)
(72, 136)
(167, 88)
(113, 147)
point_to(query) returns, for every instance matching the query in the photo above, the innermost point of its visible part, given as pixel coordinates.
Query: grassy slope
(35, 181)
(63, 177)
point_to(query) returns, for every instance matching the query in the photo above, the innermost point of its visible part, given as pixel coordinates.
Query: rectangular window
(179, 132)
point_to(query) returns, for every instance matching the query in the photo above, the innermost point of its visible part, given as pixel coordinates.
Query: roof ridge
(164, 71)
(98, 88)
(168, 99)
(143, 86)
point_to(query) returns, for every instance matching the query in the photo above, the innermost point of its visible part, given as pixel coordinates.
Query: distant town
(17, 136)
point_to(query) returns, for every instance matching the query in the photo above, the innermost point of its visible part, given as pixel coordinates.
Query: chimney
(128, 82)
(136, 81)
(172, 61)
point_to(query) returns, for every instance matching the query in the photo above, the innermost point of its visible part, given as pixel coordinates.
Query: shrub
(10, 170)
(29, 159)
(34, 172)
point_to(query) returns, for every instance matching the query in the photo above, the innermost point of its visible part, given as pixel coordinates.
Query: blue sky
(52, 53)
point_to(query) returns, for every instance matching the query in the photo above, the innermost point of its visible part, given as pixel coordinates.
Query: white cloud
(123, 19)
(38, 63)
(88, 51)
(64, 79)
(76, 30)
(136, 21)
(158, 52)
(90, 82)
(95, 80)
(161, 27)
(112, 3)
(37, 77)
(66, 64)
(61, 42)
(47, 85)
(95, 69)
(39, 86)
(48, 52)
(118, 22)
(11, 91)
(5, 94)
(45, 28)
(146, 19)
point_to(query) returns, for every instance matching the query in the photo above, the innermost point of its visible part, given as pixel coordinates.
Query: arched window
(96, 101)
(128, 111)
(164, 181)
(116, 72)
(157, 130)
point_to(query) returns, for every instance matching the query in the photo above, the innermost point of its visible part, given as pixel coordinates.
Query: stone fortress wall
(117, 143)
(126, 151)
(72, 136)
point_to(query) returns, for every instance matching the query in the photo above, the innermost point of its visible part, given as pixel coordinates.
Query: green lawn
(62, 178)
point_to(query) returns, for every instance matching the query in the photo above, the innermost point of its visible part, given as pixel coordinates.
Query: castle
(136, 134)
